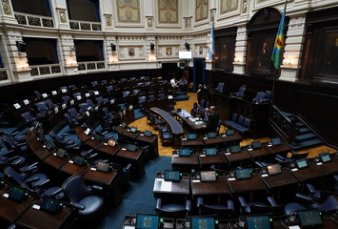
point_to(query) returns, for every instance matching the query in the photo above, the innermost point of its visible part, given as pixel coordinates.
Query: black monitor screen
(274, 169)
(191, 136)
(17, 194)
(258, 222)
(51, 205)
(210, 151)
(302, 163)
(102, 166)
(79, 160)
(235, 149)
(276, 141)
(60, 152)
(184, 152)
(211, 135)
(309, 218)
(208, 176)
(147, 221)
(131, 147)
(242, 174)
(133, 129)
(204, 223)
(256, 145)
(229, 132)
(148, 133)
(171, 175)
(325, 157)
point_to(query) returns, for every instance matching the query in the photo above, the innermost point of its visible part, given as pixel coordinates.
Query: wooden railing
(34, 20)
(284, 125)
(85, 25)
(41, 70)
(91, 65)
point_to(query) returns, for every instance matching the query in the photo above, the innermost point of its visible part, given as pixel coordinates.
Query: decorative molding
(201, 10)
(108, 19)
(62, 15)
(6, 6)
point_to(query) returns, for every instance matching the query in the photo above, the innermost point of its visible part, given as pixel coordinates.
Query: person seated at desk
(213, 118)
(204, 114)
(195, 110)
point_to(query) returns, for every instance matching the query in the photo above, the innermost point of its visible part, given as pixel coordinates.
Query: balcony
(85, 25)
(43, 70)
(92, 65)
(34, 20)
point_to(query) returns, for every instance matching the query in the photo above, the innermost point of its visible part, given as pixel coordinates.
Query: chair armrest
(311, 188)
(96, 187)
(78, 206)
(158, 203)
(188, 205)
(33, 179)
(272, 201)
(304, 197)
(57, 191)
(41, 183)
(230, 205)
(199, 202)
(242, 201)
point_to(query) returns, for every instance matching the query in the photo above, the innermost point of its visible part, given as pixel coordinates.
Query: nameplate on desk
(175, 155)
(227, 154)
(319, 163)
(35, 206)
(196, 181)
(93, 169)
(6, 195)
(231, 179)
(223, 135)
(269, 145)
(205, 138)
(54, 154)
(250, 149)
(72, 162)
(294, 227)
(294, 170)
(265, 175)
(202, 155)
(141, 135)
(166, 186)
(123, 149)
(105, 144)
(184, 139)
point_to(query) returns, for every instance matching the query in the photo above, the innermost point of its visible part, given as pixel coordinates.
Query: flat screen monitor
(211, 135)
(131, 147)
(310, 218)
(103, 166)
(208, 176)
(79, 160)
(60, 152)
(256, 144)
(142, 99)
(210, 151)
(274, 169)
(324, 157)
(241, 174)
(258, 222)
(191, 136)
(185, 152)
(51, 205)
(144, 221)
(184, 55)
(203, 222)
(133, 129)
(229, 132)
(276, 141)
(17, 194)
(235, 149)
(172, 175)
(301, 163)
(148, 133)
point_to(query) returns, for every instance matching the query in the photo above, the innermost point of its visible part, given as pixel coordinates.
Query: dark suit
(212, 123)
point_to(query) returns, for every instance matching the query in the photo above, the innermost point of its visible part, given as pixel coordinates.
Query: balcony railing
(42, 70)
(85, 25)
(34, 20)
(92, 65)
(3, 74)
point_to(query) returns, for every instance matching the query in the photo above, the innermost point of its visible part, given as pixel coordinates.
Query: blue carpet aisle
(139, 198)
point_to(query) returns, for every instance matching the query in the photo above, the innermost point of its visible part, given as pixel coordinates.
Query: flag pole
(276, 67)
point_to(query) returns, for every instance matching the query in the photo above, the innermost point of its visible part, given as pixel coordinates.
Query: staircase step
(304, 130)
(287, 114)
(300, 124)
(305, 137)
(311, 142)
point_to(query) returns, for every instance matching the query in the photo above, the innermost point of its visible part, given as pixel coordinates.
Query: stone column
(69, 54)
(240, 50)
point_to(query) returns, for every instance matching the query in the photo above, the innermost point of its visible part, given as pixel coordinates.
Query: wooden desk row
(228, 185)
(219, 139)
(225, 158)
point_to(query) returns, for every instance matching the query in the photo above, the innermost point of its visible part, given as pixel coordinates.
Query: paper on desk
(166, 186)
(294, 227)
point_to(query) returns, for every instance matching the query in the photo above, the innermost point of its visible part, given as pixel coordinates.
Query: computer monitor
(79, 160)
(210, 151)
(258, 222)
(229, 132)
(185, 152)
(133, 129)
(203, 222)
(208, 176)
(17, 194)
(256, 144)
(148, 133)
(241, 174)
(145, 221)
(142, 99)
(274, 169)
(211, 135)
(50, 205)
(191, 136)
(103, 166)
(301, 163)
(172, 175)
(310, 218)
(235, 149)
(60, 152)
(276, 141)
(324, 157)
(131, 147)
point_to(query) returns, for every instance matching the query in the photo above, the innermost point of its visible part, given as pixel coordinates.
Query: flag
(211, 48)
(279, 42)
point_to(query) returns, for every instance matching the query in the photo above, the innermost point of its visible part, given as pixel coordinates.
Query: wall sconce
(187, 46)
(152, 46)
(113, 47)
(22, 46)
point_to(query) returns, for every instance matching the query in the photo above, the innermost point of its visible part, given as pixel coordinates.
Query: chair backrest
(220, 87)
(18, 177)
(75, 188)
(247, 122)
(241, 119)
